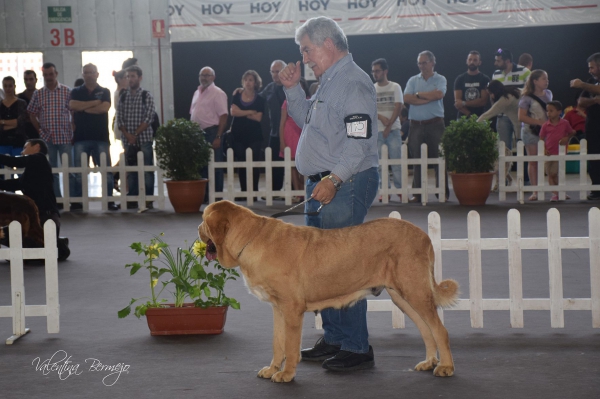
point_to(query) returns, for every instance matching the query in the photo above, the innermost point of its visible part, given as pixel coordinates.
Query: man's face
(90, 75)
(379, 75)
(50, 76)
(276, 67)
(594, 70)
(500, 63)
(318, 58)
(29, 149)
(206, 77)
(425, 65)
(134, 80)
(473, 62)
(30, 81)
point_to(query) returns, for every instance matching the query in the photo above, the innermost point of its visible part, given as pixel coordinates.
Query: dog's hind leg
(278, 346)
(431, 359)
(292, 320)
(422, 302)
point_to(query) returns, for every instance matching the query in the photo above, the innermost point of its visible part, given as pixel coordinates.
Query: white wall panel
(15, 28)
(105, 23)
(142, 32)
(124, 24)
(3, 34)
(85, 23)
(32, 22)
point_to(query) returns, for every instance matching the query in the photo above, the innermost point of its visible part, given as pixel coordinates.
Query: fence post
(541, 179)
(501, 180)
(17, 282)
(230, 175)
(424, 174)
(123, 181)
(520, 173)
(515, 268)
(434, 230)
(141, 181)
(583, 168)
(555, 269)
(64, 165)
(104, 179)
(211, 177)
(475, 278)
(398, 320)
(404, 172)
(51, 267)
(442, 179)
(84, 170)
(384, 174)
(250, 176)
(594, 222)
(562, 175)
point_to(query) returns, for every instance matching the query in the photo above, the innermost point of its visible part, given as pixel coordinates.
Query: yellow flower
(154, 282)
(199, 248)
(151, 249)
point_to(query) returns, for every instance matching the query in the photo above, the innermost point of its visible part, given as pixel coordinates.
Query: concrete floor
(493, 362)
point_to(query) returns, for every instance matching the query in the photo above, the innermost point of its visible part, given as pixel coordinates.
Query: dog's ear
(218, 225)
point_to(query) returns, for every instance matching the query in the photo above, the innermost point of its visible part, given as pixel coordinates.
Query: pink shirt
(208, 106)
(553, 133)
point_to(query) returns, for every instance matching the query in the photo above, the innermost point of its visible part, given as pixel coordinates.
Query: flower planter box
(186, 320)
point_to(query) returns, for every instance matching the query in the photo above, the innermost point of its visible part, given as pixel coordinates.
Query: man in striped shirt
(51, 117)
(134, 114)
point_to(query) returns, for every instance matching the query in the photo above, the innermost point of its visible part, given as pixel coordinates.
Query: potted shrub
(470, 149)
(192, 277)
(182, 152)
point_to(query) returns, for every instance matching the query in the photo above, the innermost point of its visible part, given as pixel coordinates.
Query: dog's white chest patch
(257, 291)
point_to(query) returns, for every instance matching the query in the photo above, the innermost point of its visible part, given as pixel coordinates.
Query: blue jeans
(132, 178)
(346, 327)
(93, 148)
(55, 152)
(394, 143)
(505, 130)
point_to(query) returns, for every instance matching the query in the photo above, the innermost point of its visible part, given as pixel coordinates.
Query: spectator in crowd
(590, 100)
(339, 156)
(209, 110)
(30, 79)
(506, 102)
(129, 62)
(90, 104)
(289, 135)
(36, 182)
(122, 85)
(526, 60)
(554, 132)
(390, 102)
(134, 116)
(50, 114)
(247, 108)
(425, 93)
(78, 82)
(13, 114)
(405, 123)
(532, 112)
(508, 73)
(576, 117)
(470, 88)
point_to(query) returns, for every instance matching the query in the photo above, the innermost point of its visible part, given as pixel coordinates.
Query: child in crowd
(555, 131)
(576, 117)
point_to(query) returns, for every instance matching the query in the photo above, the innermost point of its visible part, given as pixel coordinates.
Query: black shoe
(149, 204)
(349, 361)
(132, 205)
(76, 207)
(593, 197)
(113, 207)
(63, 248)
(321, 351)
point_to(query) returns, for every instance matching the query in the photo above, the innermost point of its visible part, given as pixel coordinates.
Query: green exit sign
(57, 15)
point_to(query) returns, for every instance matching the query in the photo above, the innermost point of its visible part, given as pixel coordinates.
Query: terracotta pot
(472, 188)
(186, 196)
(186, 320)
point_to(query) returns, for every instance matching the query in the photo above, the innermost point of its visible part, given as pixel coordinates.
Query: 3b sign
(67, 38)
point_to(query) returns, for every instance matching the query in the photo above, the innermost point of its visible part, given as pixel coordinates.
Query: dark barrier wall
(560, 50)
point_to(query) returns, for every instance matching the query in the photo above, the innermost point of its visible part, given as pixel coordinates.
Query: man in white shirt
(389, 104)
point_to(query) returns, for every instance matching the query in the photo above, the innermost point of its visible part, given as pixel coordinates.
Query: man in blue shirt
(425, 93)
(337, 151)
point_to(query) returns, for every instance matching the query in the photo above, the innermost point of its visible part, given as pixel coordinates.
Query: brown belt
(426, 122)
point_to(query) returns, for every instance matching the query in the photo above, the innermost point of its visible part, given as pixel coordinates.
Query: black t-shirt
(35, 182)
(593, 112)
(90, 126)
(471, 86)
(246, 130)
(274, 96)
(13, 137)
(29, 130)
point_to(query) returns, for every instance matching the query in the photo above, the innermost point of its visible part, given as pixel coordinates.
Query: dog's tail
(446, 293)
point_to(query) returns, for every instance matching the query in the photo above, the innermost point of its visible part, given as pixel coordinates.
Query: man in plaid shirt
(134, 114)
(51, 117)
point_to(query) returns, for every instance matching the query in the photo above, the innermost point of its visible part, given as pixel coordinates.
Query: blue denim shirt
(432, 109)
(345, 90)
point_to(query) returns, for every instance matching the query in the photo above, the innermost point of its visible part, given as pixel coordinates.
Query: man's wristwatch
(336, 183)
(417, 94)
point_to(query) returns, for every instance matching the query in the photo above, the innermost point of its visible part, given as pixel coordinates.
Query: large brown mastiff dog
(299, 269)
(22, 209)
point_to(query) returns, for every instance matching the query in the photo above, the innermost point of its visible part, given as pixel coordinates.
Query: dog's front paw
(427, 364)
(283, 376)
(443, 371)
(267, 372)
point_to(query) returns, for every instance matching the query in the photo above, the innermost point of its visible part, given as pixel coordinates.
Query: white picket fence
(16, 254)
(230, 192)
(514, 244)
(103, 170)
(542, 187)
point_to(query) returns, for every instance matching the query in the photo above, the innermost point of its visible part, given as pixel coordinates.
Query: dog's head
(215, 231)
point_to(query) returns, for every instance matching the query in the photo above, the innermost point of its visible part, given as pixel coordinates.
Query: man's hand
(238, 90)
(325, 191)
(387, 130)
(576, 83)
(131, 139)
(216, 144)
(385, 121)
(290, 75)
